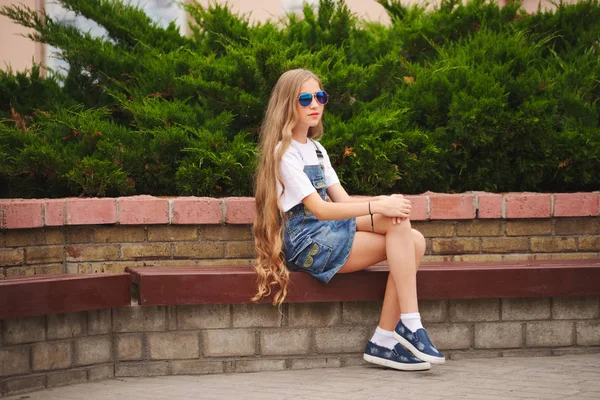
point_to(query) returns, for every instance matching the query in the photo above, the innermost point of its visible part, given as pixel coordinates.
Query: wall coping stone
(146, 209)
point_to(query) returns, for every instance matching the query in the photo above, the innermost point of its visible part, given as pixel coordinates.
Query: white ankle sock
(384, 338)
(412, 321)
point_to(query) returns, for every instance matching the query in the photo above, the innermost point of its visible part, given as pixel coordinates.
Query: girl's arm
(388, 206)
(338, 194)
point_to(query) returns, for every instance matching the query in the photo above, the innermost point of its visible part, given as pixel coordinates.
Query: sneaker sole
(420, 355)
(399, 366)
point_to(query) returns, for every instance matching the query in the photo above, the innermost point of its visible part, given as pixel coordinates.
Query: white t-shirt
(297, 184)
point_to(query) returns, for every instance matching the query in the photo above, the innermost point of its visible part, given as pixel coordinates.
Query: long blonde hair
(280, 119)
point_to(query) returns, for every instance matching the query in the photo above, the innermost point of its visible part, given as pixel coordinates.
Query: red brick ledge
(142, 210)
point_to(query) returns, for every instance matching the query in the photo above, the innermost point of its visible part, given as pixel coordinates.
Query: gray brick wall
(229, 342)
(173, 345)
(255, 315)
(526, 309)
(93, 350)
(129, 347)
(63, 349)
(285, 341)
(52, 355)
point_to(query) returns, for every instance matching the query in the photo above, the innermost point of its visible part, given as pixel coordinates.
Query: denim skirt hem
(321, 250)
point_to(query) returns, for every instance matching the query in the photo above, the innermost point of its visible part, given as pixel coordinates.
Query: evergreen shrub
(462, 97)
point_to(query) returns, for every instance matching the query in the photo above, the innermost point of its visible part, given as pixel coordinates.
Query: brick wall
(106, 235)
(56, 350)
(98, 248)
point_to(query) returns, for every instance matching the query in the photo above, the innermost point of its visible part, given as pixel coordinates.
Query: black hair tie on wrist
(372, 224)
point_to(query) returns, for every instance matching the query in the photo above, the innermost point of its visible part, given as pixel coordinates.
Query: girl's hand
(397, 220)
(395, 206)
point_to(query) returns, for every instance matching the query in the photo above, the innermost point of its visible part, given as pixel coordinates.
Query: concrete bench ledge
(236, 284)
(436, 281)
(62, 293)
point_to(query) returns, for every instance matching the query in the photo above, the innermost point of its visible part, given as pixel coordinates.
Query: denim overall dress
(319, 248)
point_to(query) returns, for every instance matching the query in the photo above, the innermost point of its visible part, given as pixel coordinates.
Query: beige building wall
(18, 52)
(261, 10)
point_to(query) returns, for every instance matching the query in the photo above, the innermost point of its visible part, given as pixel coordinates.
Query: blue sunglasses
(305, 99)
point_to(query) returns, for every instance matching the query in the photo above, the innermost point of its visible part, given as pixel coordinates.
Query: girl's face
(310, 115)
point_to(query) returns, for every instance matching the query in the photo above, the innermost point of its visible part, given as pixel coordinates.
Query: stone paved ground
(565, 377)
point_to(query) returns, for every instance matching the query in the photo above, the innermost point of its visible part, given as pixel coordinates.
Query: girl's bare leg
(370, 248)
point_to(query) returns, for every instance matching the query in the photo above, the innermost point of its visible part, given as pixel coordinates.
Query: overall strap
(319, 154)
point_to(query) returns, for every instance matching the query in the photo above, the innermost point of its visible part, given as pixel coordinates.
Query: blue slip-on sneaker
(418, 343)
(397, 358)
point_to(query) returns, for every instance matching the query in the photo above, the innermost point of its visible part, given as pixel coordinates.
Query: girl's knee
(402, 225)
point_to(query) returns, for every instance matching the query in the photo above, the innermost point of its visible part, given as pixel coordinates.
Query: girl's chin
(309, 123)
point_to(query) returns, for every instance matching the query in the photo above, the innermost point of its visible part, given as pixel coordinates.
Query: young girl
(297, 229)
